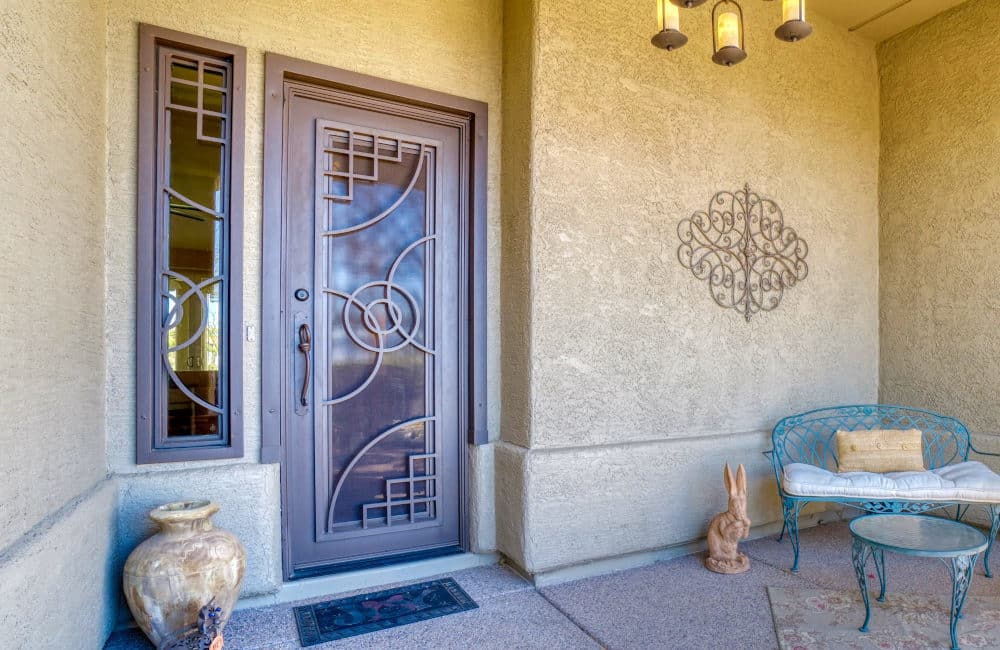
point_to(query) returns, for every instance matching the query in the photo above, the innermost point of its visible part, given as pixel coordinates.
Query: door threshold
(368, 579)
(374, 562)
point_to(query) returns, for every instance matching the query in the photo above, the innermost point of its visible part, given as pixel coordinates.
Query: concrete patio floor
(673, 604)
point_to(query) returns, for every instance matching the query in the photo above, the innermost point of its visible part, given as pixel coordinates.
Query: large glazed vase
(182, 568)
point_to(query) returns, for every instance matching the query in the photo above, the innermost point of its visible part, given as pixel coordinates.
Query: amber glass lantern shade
(727, 33)
(668, 21)
(794, 28)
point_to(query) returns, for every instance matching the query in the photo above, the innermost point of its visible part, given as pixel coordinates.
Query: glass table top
(919, 535)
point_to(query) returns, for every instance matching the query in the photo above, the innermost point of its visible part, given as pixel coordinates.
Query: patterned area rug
(820, 619)
(339, 619)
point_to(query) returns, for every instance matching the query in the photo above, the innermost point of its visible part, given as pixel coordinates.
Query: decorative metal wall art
(743, 248)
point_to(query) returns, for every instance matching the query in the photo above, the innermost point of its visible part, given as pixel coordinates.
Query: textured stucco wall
(245, 494)
(59, 589)
(520, 43)
(454, 47)
(519, 38)
(638, 496)
(57, 510)
(51, 258)
(640, 386)
(940, 192)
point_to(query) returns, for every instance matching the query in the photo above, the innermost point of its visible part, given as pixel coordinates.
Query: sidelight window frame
(152, 443)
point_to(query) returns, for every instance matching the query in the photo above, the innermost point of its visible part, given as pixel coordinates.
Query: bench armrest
(774, 465)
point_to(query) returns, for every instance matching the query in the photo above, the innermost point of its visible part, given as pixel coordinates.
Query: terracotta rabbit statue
(727, 528)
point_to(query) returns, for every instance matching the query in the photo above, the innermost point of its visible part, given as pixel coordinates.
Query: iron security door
(373, 300)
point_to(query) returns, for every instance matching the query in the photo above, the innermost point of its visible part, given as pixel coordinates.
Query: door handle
(305, 346)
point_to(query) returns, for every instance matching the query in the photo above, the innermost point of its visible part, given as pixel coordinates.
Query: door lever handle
(305, 346)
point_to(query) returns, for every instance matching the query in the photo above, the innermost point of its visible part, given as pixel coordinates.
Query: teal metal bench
(810, 438)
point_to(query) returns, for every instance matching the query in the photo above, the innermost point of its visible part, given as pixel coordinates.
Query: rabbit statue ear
(730, 480)
(741, 479)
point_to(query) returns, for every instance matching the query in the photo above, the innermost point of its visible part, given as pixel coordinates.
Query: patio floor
(674, 604)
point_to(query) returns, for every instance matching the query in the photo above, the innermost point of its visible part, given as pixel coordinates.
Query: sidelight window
(190, 198)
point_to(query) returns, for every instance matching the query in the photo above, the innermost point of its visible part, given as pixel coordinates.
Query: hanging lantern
(668, 20)
(727, 33)
(794, 28)
(728, 46)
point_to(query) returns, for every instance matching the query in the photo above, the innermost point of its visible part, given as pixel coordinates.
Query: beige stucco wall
(940, 236)
(519, 38)
(51, 261)
(59, 590)
(248, 492)
(640, 386)
(454, 47)
(57, 509)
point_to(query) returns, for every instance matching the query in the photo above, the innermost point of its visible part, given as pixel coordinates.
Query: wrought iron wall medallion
(743, 249)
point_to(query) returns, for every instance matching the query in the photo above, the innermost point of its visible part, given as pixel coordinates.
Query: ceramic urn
(188, 564)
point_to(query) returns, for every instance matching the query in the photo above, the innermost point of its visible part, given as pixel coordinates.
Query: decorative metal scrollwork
(370, 312)
(381, 315)
(388, 302)
(428, 495)
(174, 317)
(419, 495)
(743, 248)
(193, 274)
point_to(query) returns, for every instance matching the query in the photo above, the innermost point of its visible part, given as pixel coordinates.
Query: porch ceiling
(902, 14)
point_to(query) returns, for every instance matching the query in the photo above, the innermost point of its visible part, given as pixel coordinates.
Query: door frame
(275, 342)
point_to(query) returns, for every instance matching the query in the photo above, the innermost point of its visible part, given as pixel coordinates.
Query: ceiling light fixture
(728, 46)
(795, 27)
(727, 33)
(669, 37)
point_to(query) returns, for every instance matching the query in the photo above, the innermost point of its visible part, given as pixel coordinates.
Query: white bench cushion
(969, 481)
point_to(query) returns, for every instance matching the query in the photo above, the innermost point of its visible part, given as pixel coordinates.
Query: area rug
(821, 619)
(346, 617)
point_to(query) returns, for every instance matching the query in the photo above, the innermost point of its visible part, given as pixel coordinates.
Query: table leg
(859, 553)
(962, 568)
(878, 555)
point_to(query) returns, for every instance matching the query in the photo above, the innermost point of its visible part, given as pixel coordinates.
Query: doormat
(347, 617)
(821, 619)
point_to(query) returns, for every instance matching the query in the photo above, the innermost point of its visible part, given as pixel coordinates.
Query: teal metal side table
(955, 543)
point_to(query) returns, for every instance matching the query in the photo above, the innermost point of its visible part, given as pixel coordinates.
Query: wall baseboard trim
(644, 558)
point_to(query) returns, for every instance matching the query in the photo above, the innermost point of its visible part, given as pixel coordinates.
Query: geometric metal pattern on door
(373, 331)
(388, 312)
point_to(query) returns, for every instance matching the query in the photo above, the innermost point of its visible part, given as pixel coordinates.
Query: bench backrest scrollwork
(811, 437)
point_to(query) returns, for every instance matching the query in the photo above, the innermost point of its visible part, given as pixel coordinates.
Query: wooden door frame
(472, 393)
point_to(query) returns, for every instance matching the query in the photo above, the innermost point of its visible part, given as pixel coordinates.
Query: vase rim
(190, 510)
